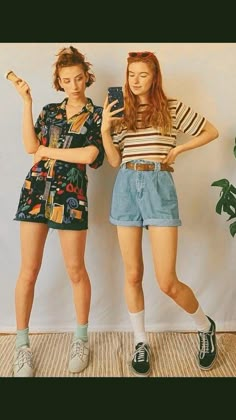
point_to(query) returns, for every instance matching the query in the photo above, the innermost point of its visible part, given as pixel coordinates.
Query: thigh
(73, 246)
(164, 248)
(32, 237)
(130, 241)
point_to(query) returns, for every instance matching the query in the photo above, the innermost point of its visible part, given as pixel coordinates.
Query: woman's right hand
(109, 116)
(23, 89)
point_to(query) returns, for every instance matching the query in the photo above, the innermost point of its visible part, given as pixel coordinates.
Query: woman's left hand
(172, 155)
(40, 154)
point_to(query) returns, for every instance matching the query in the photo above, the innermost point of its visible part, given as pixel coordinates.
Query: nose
(74, 83)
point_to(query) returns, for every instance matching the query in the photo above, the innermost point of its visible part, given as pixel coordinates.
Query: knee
(134, 277)
(29, 275)
(76, 273)
(169, 285)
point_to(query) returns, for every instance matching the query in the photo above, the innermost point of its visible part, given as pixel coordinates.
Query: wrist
(27, 102)
(106, 131)
(179, 149)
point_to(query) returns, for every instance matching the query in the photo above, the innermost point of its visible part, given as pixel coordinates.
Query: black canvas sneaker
(141, 360)
(207, 347)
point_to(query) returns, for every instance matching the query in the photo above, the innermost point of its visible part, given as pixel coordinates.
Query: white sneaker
(23, 363)
(79, 356)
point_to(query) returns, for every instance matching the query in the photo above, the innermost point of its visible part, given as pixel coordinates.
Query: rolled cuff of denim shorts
(148, 222)
(162, 222)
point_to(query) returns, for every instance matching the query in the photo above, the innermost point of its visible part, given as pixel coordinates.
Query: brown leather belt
(148, 166)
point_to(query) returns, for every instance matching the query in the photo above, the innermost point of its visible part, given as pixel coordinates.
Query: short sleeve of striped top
(188, 120)
(149, 142)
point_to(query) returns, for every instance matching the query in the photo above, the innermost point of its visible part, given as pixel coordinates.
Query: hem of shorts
(162, 222)
(52, 225)
(148, 222)
(126, 222)
(66, 227)
(30, 220)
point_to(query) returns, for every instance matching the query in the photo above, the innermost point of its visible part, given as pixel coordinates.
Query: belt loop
(135, 164)
(157, 166)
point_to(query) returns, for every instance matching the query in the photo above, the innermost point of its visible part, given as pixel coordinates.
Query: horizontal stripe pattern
(173, 355)
(149, 143)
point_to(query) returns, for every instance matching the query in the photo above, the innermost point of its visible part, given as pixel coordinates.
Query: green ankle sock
(81, 332)
(22, 338)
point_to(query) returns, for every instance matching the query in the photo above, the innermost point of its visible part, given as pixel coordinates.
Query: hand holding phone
(116, 93)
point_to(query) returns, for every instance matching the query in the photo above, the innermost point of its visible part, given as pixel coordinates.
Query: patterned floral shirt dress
(54, 191)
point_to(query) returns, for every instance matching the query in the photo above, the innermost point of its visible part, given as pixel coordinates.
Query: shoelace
(204, 342)
(140, 353)
(79, 349)
(24, 356)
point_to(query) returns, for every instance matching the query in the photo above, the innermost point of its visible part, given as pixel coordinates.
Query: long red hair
(157, 113)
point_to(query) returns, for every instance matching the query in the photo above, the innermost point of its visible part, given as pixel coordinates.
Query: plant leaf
(219, 206)
(231, 199)
(232, 217)
(227, 209)
(232, 228)
(233, 189)
(223, 183)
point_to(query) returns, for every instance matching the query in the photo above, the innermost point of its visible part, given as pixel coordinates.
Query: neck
(75, 104)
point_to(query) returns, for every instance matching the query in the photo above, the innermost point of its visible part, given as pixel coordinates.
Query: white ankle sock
(201, 321)
(137, 321)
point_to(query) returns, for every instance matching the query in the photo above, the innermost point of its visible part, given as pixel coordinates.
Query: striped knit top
(149, 143)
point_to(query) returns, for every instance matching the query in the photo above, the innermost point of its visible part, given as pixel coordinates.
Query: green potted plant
(227, 200)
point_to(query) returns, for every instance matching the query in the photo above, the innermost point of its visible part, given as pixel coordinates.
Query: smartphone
(113, 94)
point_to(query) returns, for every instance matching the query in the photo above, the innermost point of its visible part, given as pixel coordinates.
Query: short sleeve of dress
(94, 137)
(40, 127)
(188, 121)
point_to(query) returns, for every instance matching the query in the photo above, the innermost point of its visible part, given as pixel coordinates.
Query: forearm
(84, 155)
(208, 134)
(112, 153)
(30, 140)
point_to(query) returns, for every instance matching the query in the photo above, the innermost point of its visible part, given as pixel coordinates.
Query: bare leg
(130, 240)
(164, 249)
(73, 248)
(164, 246)
(32, 237)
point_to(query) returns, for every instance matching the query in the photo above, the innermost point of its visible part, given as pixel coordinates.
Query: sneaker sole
(13, 376)
(77, 371)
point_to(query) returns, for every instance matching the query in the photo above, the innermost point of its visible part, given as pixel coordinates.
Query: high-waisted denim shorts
(143, 198)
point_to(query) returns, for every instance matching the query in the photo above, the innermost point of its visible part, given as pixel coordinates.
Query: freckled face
(140, 78)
